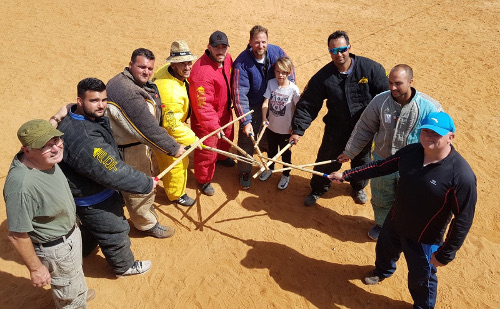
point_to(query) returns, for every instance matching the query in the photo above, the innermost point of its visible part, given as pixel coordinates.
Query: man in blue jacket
(96, 174)
(253, 68)
(348, 83)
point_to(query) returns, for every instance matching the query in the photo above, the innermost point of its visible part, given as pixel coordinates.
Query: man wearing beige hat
(41, 216)
(134, 111)
(172, 83)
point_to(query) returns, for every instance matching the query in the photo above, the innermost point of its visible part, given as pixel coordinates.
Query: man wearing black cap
(41, 215)
(435, 185)
(210, 98)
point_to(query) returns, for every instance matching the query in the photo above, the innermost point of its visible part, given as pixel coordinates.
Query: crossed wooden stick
(262, 162)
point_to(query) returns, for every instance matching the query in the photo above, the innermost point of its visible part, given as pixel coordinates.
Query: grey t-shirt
(282, 103)
(39, 203)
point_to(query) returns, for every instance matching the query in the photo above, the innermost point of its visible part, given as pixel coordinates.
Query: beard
(93, 113)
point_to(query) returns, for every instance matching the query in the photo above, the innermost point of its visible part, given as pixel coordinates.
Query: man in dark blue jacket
(96, 174)
(435, 184)
(253, 68)
(348, 83)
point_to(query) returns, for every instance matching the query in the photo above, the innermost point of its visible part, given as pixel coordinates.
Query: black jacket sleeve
(100, 162)
(462, 201)
(309, 105)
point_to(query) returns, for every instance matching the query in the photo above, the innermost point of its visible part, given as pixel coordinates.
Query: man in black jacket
(436, 184)
(348, 84)
(96, 174)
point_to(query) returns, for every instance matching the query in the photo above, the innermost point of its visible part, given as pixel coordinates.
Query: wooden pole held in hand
(194, 145)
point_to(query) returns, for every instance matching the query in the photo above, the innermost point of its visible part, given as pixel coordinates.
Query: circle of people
(93, 157)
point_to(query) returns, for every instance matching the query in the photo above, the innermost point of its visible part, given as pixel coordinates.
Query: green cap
(36, 133)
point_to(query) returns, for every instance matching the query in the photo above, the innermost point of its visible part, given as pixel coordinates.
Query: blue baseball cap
(440, 122)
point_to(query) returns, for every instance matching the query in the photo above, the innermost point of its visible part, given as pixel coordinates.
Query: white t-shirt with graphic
(281, 101)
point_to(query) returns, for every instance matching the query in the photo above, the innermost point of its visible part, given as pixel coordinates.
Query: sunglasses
(337, 50)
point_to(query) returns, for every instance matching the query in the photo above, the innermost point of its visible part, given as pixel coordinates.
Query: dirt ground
(262, 248)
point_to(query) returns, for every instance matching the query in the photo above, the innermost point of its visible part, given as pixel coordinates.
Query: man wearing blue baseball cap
(436, 184)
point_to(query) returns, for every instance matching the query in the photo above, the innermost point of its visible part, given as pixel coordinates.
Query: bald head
(403, 67)
(400, 82)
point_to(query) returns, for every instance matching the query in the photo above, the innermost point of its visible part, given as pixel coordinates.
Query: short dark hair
(90, 83)
(338, 34)
(404, 67)
(257, 29)
(142, 52)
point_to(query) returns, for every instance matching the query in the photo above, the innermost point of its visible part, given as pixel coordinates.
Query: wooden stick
(261, 158)
(306, 165)
(228, 154)
(270, 161)
(243, 152)
(259, 136)
(193, 146)
(299, 168)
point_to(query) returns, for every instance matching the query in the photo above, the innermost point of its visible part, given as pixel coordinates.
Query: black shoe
(311, 199)
(374, 232)
(185, 200)
(245, 181)
(372, 278)
(207, 189)
(227, 162)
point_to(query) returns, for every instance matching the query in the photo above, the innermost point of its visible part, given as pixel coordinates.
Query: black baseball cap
(217, 38)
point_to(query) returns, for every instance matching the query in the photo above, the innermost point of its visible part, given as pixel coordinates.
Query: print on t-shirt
(278, 103)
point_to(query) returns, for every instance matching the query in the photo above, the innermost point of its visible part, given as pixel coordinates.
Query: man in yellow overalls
(173, 86)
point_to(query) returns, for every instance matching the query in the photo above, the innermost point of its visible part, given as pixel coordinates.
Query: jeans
(107, 225)
(64, 262)
(331, 147)
(422, 278)
(383, 194)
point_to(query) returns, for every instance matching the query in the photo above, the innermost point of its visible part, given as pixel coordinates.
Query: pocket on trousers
(61, 287)
(68, 291)
(65, 264)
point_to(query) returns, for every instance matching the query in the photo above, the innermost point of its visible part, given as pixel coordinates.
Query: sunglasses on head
(337, 50)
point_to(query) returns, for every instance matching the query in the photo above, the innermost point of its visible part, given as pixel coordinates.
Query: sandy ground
(262, 248)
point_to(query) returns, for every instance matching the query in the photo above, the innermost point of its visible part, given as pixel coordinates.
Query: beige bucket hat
(179, 52)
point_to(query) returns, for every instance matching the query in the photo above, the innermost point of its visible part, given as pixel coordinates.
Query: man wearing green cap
(436, 184)
(41, 216)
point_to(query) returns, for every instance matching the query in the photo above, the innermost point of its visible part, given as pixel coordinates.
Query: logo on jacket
(200, 96)
(107, 160)
(433, 181)
(364, 80)
(169, 121)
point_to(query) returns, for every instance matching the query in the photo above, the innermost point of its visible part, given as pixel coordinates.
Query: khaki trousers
(140, 206)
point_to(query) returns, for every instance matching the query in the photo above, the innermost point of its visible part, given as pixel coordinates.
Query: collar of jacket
(266, 61)
(103, 121)
(353, 56)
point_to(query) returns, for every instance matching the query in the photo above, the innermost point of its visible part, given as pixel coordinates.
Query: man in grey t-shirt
(41, 215)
